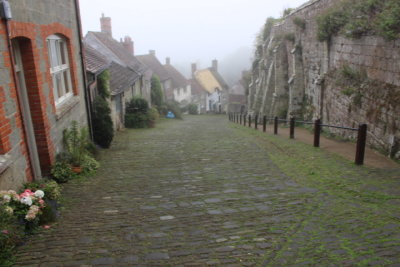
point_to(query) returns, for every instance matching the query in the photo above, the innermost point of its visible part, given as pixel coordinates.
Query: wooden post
(249, 120)
(361, 142)
(256, 122)
(264, 124)
(317, 132)
(244, 119)
(240, 118)
(276, 125)
(292, 128)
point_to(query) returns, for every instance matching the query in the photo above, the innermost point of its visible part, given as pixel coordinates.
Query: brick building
(41, 85)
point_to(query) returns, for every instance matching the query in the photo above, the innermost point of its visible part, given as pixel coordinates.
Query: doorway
(26, 108)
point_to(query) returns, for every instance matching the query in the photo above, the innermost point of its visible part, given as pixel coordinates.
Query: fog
(189, 31)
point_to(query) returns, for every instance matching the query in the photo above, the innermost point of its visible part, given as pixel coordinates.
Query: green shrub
(355, 18)
(330, 23)
(300, 22)
(173, 106)
(11, 234)
(268, 27)
(89, 165)
(290, 37)
(388, 21)
(103, 129)
(137, 113)
(153, 116)
(156, 91)
(51, 189)
(103, 84)
(62, 172)
(76, 141)
(136, 120)
(287, 11)
(193, 110)
(137, 105)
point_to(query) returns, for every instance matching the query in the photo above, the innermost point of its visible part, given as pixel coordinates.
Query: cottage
(151, 61)
(181, 88)
(128, 76)
(41, 85)
(210, 89)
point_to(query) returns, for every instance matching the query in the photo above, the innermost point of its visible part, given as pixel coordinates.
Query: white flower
(7, 198)
(9, 210)
(39, 193)
(26, 201)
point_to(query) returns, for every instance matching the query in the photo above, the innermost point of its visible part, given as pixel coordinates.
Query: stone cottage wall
(32, 23)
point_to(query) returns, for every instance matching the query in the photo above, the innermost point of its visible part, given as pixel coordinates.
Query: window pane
(55, 91)
(66, 81)
(59, 85)
(62, 52)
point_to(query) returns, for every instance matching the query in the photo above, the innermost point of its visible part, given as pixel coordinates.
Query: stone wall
(31, 24)
(296, 75)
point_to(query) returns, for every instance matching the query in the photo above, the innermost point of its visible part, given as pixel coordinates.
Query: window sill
(5, 161)
(66, 106)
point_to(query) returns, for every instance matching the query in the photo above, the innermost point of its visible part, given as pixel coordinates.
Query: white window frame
(59, 67)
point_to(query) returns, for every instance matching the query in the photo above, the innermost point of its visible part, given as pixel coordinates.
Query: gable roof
(208, 81)
(112, 50)
(178, 80)
(95, 62)
(152, 62)
(121, 78)
(196, 88)
(219, 79)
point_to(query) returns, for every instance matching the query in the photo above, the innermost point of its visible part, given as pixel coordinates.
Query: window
(59, 68)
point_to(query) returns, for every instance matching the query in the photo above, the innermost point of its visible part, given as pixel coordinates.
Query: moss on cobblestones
(204, 191)
(356, 207)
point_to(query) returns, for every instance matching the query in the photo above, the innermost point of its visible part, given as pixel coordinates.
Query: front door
(26, 111)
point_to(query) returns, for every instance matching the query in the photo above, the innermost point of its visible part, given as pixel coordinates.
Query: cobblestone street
(201, 192)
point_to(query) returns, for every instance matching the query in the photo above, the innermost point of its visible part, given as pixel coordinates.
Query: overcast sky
(185, 30)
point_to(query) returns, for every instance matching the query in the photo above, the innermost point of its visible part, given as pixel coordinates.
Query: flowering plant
(27, 205)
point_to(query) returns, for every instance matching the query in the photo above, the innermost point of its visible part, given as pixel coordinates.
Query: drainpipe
(83, 65)
(5, 11)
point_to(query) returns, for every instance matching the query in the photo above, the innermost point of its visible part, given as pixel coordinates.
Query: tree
(103, 130)
(156, 91)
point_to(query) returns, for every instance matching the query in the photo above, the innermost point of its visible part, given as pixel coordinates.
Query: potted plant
(76, 142)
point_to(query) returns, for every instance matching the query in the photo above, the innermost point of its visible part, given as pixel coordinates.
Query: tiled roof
(113, 50)
(152, 62)
(95, 62)
(178, 80)
(197, 89)
(121, 78)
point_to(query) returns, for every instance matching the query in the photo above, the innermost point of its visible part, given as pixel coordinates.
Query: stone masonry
(291, 78)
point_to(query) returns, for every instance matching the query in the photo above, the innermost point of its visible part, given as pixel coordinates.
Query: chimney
(105, 23)
(194, 69)
(128, 45)
(168, 61)
(215, 65)
(152, 52)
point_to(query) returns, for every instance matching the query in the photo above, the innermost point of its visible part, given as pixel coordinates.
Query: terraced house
(41, 85)
(128, 76)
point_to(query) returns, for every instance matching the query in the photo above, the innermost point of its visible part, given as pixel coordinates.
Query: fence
(361, 135)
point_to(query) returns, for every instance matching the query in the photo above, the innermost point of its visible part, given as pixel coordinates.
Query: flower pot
(76, 169)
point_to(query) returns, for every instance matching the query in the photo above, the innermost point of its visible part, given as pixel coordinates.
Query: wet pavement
(198, 193)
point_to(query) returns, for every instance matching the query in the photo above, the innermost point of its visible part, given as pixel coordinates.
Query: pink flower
(46, 226)
(5, 232)
(27, 193)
